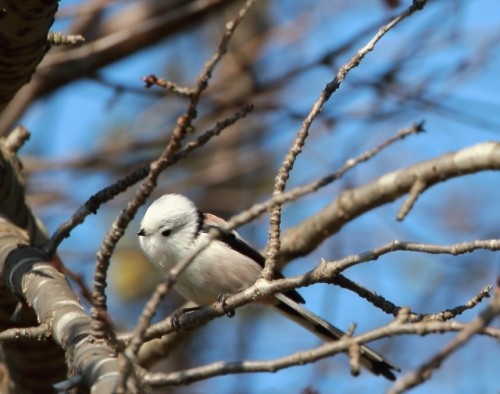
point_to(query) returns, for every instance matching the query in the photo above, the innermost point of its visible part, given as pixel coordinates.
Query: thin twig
(108, 193)
(451, 313)
(325, 272)
(416, 190)
(182, 91)
(328, 272)
(327, 349)
(195, 319)
(184, 124)
(300, 191)
(13, 334)
(204, 138)
(351, 203)
(162, 289)
(171, 277)
(424, 372)
(390, 308)
(274, 242)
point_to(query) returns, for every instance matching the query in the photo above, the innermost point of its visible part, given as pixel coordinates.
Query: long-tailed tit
(170, 229)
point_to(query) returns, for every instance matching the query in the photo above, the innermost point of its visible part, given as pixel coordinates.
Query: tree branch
(424, 372)
(23, 33)
(131, 33)
(309, 234)
(34, 280)
(299, 358)
(274, 242)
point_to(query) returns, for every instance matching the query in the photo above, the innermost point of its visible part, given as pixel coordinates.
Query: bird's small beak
(141, 233)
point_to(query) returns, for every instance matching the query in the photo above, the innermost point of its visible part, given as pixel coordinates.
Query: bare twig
(451, 313)
(324, 273)
(274, 242)
(354, 359)
(184, 125)
(163, 330)
(13, 334)
(423, 373)
(299, 358)
(201, 85)
(109, 192)
(418, 188)
(302, 239)
(297, 192)
(392, 309)
(152, 79)
(374, 254)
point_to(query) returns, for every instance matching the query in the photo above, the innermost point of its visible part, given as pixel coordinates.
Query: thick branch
(23, 42)
(35, 281)
(307, 236)
(12, 196)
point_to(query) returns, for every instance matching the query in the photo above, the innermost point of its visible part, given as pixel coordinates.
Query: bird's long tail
(372, 360)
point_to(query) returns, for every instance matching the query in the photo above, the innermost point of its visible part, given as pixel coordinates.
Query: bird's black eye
(166, 232)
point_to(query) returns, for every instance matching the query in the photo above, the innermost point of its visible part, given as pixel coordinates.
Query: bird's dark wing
(235, 242)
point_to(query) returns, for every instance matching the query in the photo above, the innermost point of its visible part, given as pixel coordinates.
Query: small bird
(171, 228)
